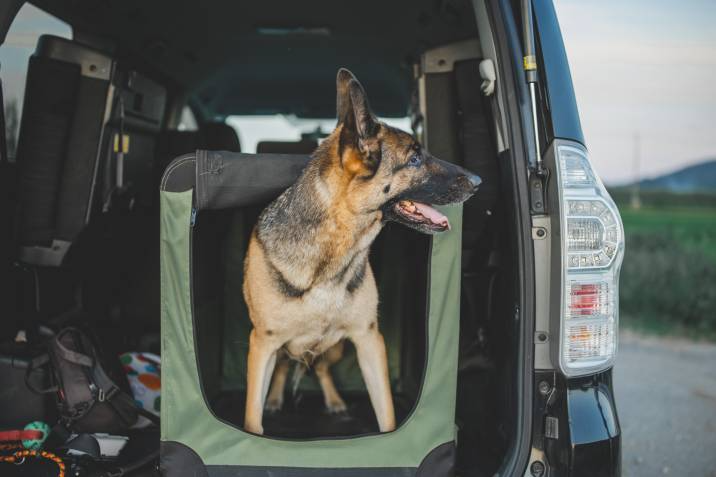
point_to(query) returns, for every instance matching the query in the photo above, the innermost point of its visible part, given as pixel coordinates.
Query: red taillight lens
(588, 299)
(584, 300)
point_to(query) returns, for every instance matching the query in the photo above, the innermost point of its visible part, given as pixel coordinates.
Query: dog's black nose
(475, 181)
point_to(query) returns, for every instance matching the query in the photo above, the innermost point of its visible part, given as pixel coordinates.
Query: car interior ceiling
(87, 226)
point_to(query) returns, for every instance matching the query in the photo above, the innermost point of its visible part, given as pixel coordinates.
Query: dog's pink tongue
(432, 214)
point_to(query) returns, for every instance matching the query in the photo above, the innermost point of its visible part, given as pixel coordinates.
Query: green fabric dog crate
(209, 203)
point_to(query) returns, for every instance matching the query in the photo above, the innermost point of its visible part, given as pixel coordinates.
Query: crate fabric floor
(306, 417)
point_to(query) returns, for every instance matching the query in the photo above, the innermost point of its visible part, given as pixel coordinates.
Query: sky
(647, 68)
(20, 43)
(640, 67)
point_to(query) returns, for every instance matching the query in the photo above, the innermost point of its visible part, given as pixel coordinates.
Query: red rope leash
(20, 456)
(9, 440)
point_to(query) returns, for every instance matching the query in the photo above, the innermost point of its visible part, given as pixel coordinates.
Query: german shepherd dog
(308, 284)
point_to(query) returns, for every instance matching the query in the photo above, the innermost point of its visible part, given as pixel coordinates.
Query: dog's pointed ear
(343, 98)
(352, 106)
(365, 122)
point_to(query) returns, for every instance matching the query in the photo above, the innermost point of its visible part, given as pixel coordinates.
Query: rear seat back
(62, 129)
(89, 149)
(136, 296)
(86, 158)
(71, 161)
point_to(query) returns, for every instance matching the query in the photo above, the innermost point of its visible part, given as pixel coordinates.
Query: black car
(129, 86)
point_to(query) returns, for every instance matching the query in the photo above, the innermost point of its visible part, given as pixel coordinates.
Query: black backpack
(91, 392)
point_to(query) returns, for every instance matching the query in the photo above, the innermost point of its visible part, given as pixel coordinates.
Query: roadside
(666, 396)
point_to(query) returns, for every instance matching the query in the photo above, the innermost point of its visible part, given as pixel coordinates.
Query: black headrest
(174, 143)
(220, 137)
(212, 136)
(304, 146)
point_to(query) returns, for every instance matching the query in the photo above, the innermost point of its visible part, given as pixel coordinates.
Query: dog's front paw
(336, 406)
(255, 428)
(273, 405)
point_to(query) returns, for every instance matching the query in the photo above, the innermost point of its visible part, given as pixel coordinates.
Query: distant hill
(697, 178)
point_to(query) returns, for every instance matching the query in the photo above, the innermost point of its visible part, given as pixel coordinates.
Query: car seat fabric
(192, 432)
(138, 288)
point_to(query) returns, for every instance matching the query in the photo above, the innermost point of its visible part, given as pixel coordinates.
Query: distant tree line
(664, 198)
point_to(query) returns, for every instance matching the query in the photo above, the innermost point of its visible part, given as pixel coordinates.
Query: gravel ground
(666, 398)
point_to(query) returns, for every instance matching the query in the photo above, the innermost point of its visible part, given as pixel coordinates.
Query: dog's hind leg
(373, 362)
(274, 401)
(262, 359)
(333, 400)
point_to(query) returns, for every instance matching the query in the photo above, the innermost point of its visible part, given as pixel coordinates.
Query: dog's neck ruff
(309, 241)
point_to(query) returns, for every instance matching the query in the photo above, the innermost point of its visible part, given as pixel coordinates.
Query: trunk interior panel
(110, 275)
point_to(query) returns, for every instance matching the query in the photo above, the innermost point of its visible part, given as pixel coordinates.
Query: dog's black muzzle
(443, 183)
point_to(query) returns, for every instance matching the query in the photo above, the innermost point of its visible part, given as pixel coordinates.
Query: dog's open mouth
(422, 214)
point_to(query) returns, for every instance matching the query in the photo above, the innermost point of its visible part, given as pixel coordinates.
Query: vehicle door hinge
(538, 195)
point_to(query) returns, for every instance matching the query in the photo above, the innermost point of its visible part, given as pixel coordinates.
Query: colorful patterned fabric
(144, 374)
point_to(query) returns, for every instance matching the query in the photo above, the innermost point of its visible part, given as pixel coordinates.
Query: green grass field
(694, 228)
(668, 280)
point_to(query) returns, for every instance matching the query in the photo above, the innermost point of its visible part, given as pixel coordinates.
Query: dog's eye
(415, 160)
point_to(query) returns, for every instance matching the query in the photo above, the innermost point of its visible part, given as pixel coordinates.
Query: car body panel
(555, 74)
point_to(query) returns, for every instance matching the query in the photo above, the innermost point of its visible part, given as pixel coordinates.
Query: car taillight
(592, 250)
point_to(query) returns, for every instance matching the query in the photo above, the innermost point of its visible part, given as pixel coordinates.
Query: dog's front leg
(373, 362)
(262, 359)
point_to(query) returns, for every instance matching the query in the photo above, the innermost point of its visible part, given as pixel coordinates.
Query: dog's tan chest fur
(325, 314)
(330, 313)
